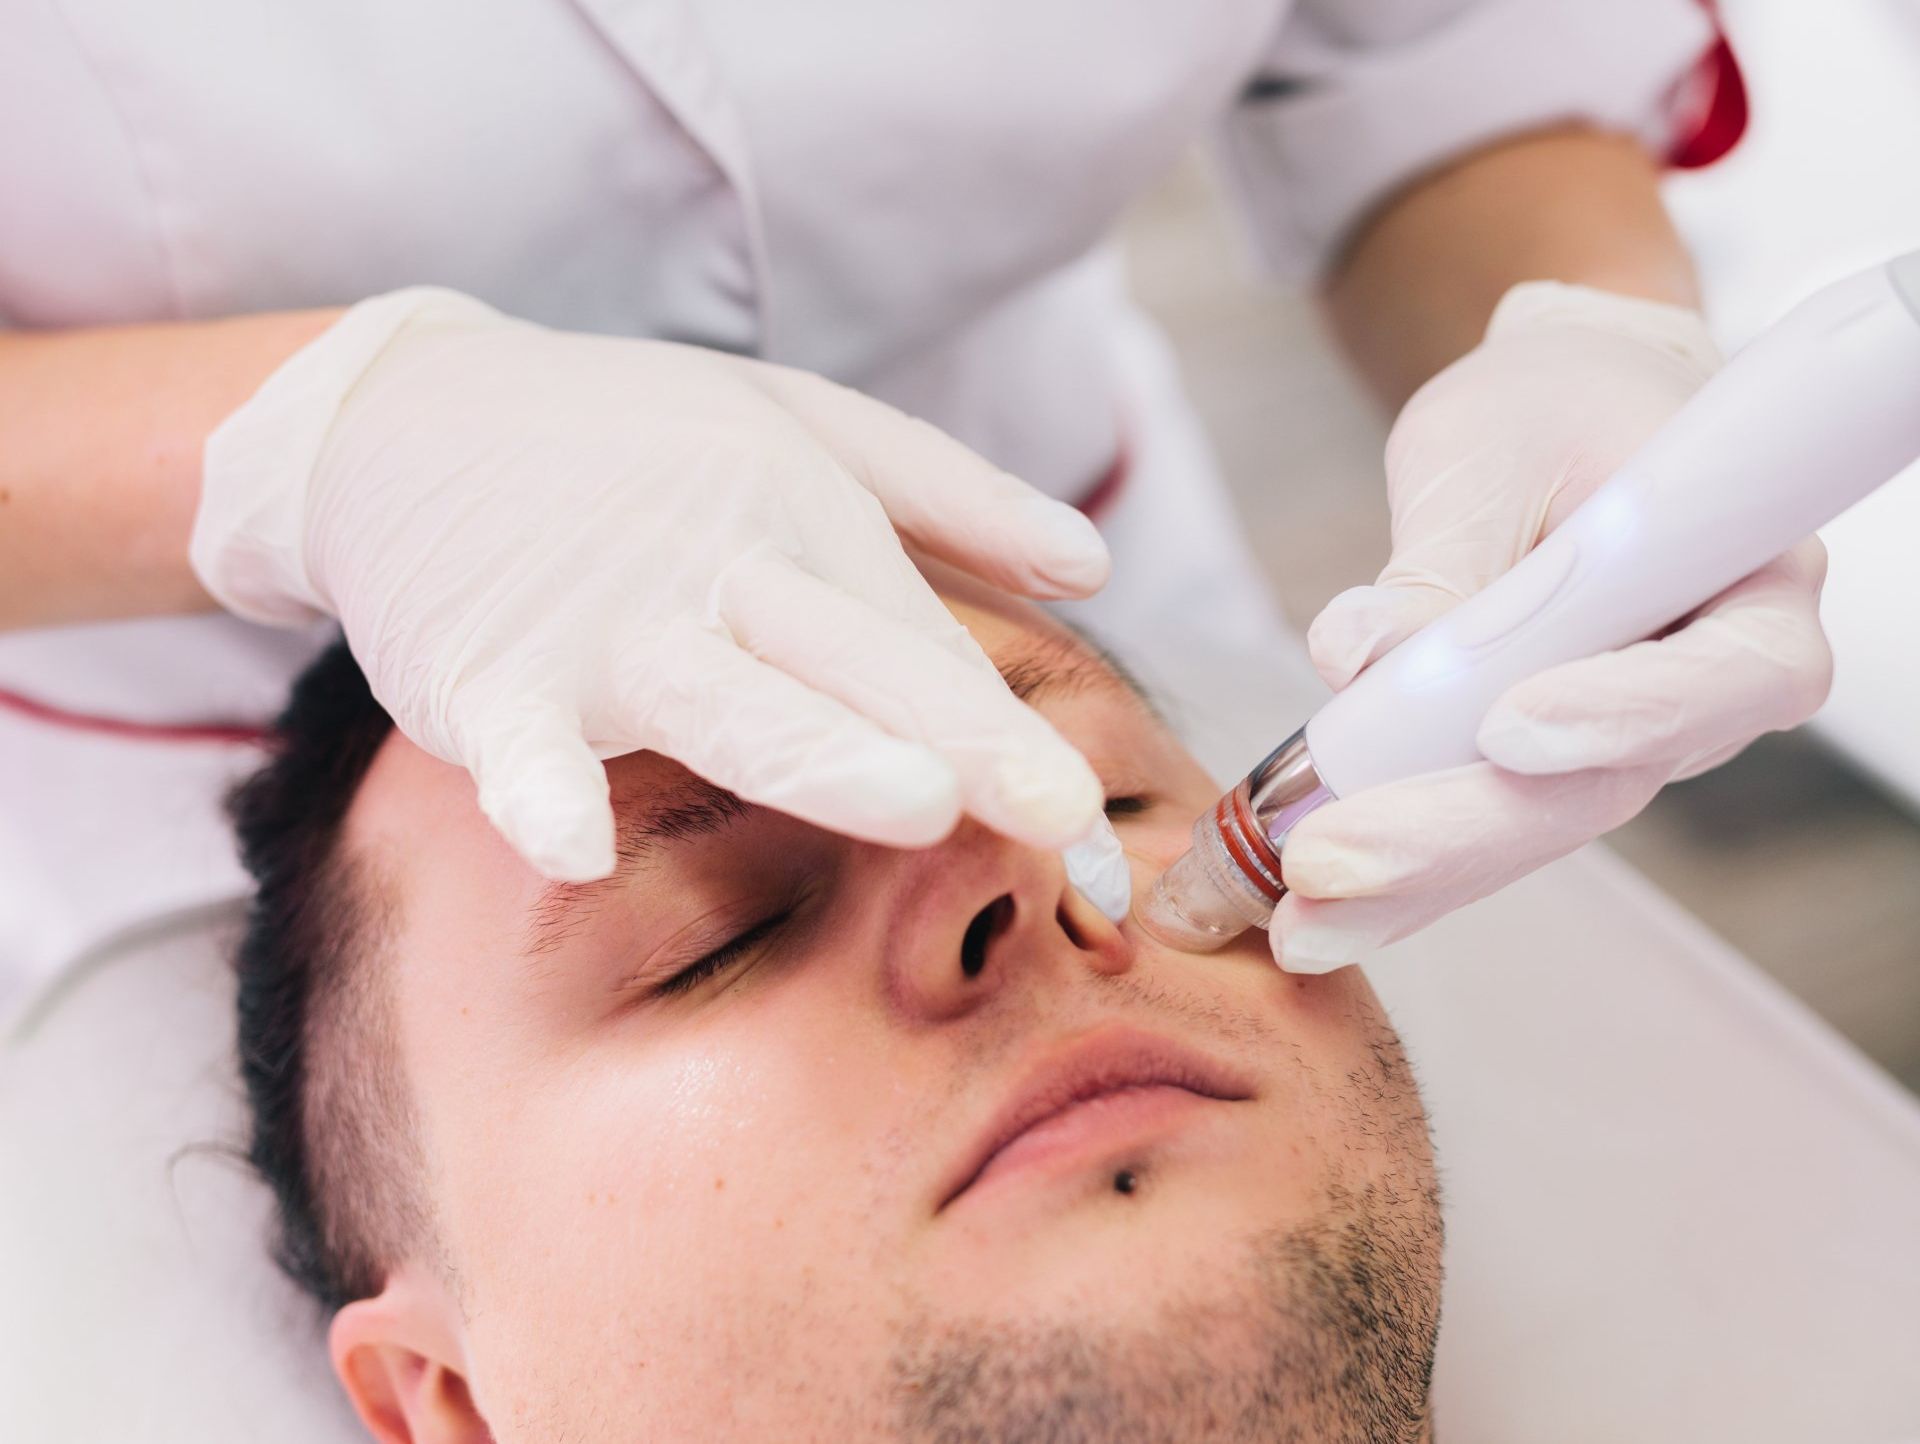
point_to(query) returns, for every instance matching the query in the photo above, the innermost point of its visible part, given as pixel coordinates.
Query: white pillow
(138, 1303)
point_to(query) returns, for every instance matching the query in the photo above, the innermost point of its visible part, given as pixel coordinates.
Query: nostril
(1076, 934)
(987, 925)
(1102, 944)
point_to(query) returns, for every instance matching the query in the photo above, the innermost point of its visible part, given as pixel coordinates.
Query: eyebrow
(1049, 664)
(1057, 665)
(688, 809)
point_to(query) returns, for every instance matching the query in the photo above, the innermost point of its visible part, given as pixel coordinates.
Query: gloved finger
(1362, 624)
(1098, 869)
(1466, 831)
(1017, 775)
(943, 497)
(771, 739)
(1706, 762)
(1314, 935)
(541, 786)
(1527, 826)
(1754, 660)
(1463, 513)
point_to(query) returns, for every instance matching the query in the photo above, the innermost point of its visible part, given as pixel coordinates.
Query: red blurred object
(1712, 104)
(1106, 489)
(199, 732)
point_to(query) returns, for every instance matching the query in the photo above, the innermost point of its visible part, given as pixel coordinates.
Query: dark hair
(312, 919)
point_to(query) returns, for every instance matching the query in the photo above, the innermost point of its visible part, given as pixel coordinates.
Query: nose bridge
(978, 912)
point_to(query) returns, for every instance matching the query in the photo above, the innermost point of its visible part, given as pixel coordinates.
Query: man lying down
(781, 1136)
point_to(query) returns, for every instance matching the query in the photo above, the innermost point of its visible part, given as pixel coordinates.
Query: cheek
(1152, 849)
(655, 1204)
(1155, 838)
(1182, 793)
(669, 1135)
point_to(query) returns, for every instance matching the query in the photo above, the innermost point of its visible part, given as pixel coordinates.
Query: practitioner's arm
(101, 432)
(1418, 281)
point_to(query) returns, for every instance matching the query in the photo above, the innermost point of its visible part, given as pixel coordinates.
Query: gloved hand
(548, 548)
(1483, 462)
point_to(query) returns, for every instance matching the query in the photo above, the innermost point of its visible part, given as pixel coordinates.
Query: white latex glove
(1483, 462)
(548, 548)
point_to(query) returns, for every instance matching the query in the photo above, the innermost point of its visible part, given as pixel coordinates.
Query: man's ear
(400, 1361)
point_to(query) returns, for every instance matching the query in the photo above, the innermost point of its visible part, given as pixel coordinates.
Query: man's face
(779, 1135)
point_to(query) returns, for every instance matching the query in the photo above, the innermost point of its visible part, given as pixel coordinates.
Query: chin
(1082, 1251)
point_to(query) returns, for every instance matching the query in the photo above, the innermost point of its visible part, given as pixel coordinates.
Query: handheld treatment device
(1811, 416)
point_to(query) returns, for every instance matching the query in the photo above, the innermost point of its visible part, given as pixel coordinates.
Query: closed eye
(1127, 806)
(731, 951)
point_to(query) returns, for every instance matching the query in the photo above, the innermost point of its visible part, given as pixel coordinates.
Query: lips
(1107, 1067)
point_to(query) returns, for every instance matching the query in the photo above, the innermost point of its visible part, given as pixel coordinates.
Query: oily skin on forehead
(715, 1213)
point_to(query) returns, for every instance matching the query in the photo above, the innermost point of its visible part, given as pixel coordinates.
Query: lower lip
(1082, 1134)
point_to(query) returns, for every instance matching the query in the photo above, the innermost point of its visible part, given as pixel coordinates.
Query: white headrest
(139, 1304)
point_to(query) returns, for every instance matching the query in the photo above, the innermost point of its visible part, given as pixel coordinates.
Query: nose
(978, 912)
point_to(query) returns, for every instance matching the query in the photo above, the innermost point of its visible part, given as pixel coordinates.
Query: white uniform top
(905, 197)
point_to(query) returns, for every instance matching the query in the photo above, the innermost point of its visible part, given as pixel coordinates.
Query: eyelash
(1127, 806)
(730, 951)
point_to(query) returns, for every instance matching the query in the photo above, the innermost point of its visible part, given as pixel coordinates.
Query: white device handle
(1811, 416)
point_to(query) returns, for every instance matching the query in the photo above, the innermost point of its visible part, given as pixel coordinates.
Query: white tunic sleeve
(1356, 97)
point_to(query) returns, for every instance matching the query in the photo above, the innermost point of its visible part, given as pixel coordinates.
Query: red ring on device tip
(1239, 839)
